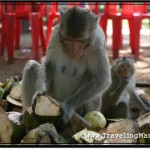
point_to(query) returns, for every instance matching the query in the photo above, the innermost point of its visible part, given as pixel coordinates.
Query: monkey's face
(74, 48)
(77, 26)
(124, 69)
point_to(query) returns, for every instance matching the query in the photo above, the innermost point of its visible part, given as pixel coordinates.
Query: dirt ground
(142, 66)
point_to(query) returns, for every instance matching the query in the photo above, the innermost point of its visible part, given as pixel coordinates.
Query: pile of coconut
(40, 126)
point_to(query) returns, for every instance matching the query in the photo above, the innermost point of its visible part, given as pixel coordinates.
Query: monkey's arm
(98, 82)
(40, 84)
(43, 81)
(139, 102)
(115, 95)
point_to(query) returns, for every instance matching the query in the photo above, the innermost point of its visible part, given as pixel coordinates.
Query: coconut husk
(47, 109)
(6, 129)
(16, 91)
(13, 101)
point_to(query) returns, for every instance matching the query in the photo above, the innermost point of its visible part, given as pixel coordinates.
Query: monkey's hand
(33, 102)
(67, 112)
(125, 81)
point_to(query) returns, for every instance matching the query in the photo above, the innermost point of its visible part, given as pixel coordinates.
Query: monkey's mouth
(74, 49)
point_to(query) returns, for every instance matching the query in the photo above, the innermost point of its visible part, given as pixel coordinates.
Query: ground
(142, 66)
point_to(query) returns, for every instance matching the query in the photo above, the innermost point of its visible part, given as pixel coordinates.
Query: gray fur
(116, 99)
(78, 84)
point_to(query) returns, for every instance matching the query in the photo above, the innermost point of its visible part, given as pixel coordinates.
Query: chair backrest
(143, 7)
(128, 8)
(23, 9)
(39, 7)
(96, 7)
(111, 8)
(6, 7)
(2, 9)
(54, 7)
(9, 7)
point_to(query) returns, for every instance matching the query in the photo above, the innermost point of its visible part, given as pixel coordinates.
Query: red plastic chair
(10, 34)
(111, 11)
(35, 32)
(94, 7)
(144, 9)
(133, 13)
(8, 19)
(22, 10)
(36, 23)
(2, 35)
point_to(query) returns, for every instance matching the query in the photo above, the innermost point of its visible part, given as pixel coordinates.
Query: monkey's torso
(126, 96)
(66, 77)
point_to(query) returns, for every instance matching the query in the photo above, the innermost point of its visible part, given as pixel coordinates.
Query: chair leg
(42, 36)
(3, 37)
(49, 30)
(18, 32)
(103, 24)
(34, 22)
(135, 26)
(10, 35)
(116, 35)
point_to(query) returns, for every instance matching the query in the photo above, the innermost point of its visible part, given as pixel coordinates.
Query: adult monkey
(76, 69)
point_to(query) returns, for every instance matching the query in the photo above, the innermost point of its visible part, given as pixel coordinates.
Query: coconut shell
(144, 119)
(47, 109)
(13, 101)
(16, 91)
(124, 126)
(6, 129)
(29, 120)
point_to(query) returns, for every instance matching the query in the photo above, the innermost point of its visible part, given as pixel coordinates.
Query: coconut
(97, 120)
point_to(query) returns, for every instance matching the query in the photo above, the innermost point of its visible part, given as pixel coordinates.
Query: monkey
(76, 68)
(115, 101)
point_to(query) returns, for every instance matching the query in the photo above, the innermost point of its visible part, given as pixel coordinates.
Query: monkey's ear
(116, 62)
(61, 11)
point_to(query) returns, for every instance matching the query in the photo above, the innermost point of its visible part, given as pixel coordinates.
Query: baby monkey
(122, 90)
(76, 69)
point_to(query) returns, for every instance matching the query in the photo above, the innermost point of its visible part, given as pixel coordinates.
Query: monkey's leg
(119, 111)
(139, 102)
(29, 79)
